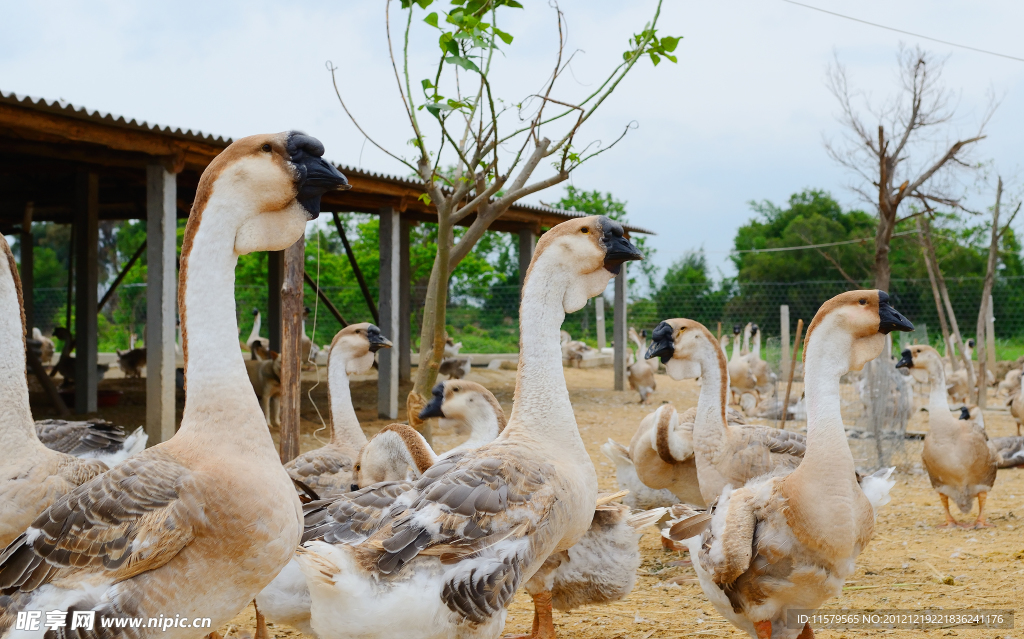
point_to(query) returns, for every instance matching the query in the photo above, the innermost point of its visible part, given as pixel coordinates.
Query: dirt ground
(910, 564)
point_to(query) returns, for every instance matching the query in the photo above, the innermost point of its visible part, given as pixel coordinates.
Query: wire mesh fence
(486, 320)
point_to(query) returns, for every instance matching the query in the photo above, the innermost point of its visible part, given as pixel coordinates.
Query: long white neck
(827, 360)
(220, 407)
(736, 347)
(345, 428)
(483, 426)
(255, 332)
(937, 397)
(757, 346)
(17, 430)
(541, 409)
(710, 427)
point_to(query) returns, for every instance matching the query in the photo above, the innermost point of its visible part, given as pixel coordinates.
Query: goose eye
(585, 230)
(266, 148)
(863, 301)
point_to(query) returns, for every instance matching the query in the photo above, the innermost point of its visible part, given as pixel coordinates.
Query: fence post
(619, 329)
(990, 334)
(599, 309)
(161, 301)
(388, 307)
(784, 332)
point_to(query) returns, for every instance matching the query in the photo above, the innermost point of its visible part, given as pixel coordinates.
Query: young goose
(31, 475)
(95, 439)
(960, 461)
(725, 454)
(398, 452)
(641, 372)
(641, 496)
(328, 470)
(201, 523)
(466, 406)
(446, 558)
(790, 539)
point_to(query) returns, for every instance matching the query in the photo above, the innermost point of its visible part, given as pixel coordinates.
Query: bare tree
(911, 155)
(495, 147)
(986, 294)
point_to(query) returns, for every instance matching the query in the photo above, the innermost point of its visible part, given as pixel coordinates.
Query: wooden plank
(291, 348)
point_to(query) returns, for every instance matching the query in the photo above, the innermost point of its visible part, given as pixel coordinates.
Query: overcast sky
(741, 117)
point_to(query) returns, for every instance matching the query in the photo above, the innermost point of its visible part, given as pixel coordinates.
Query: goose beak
(617, 249)
(889, 319)
(316, 176)
(433, 409)
(662, 345)
(907, 361)
(965, 414)
(377, 341)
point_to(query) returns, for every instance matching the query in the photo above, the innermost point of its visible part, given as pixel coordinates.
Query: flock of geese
(385, 537)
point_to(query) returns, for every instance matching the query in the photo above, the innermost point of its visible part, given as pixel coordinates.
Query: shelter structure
(71, 165)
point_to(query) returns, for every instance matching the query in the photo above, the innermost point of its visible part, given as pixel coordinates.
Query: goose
(764, 377)
(600, 568)
(1016, 404)
(573, 351)
(254, 334)
(46, 349)
(662, 452)
(32, 477)
(744, 382)
(790, 539)
(447, 556)
(961, 463)
(640, 496)
(199, 524)
(455, 367)
(724, 453)
(640, 371)
(451, 348)
(328, 470)
(93, 439)
(748, 330)
(1010, 384)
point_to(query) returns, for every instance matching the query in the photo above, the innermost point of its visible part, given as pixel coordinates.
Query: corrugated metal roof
(67, 109)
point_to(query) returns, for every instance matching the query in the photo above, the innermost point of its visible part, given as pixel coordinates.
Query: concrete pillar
(87, 217)
(388, 305)
(161, 301)
(275, 280)
(27, 267)
(291, 349)
(404, 341)
(619, 328)
(599, 309)
(527, 242)
(784, 332)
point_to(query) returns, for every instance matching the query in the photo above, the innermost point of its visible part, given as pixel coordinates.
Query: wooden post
(87, 218)
(792, 368)
(527, 243)
(161, 301)
(602, 337)
(390, 327)
(275, 280)
(937, 297)
(291, 348)
(619, 330)
(990, 332)
(404, 341)
(28, 268)
(784, 332)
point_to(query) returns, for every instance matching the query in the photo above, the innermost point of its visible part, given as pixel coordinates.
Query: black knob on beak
(889, 319)
(377, 341)
(906, 361)
(662, 344)
(315, 175)
(433, 409)
(617, 249)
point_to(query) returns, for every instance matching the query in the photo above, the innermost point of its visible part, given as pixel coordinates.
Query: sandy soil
(910, 564)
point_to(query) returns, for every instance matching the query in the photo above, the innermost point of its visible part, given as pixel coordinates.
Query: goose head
(267, 187)
(918, 358)
(855, 324)
(397, 452)
(463, 406)
(685, 347)
(355, 345)
(586, 253)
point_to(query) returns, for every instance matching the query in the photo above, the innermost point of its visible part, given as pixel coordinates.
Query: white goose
(448, 555)
(790, 539)
(199, 524)
(328, 470)
(93, 439)
(725, 452)
(31, 475)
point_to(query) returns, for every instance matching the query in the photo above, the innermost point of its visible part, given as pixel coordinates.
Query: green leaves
(431, 19)
(465, 63)
(647, 43)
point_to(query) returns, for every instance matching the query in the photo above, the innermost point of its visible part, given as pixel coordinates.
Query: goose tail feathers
(876, 487)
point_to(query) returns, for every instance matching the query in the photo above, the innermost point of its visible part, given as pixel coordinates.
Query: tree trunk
(990, 275)
(957, 338)
(432, 333)
(886, 216)
(935, 293)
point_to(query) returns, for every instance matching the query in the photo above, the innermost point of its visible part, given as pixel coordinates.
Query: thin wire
(316, 309)
(810, 246)
(916, 35)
